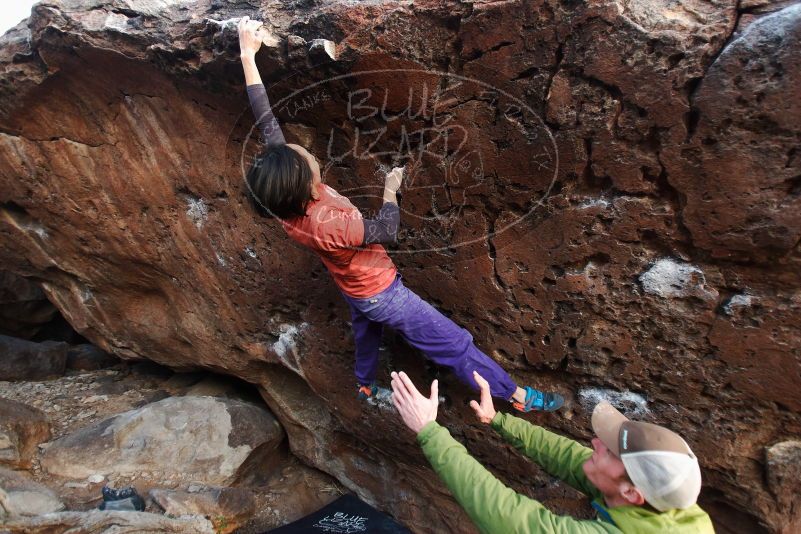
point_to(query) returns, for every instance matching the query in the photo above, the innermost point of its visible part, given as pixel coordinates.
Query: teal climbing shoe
(539, 400)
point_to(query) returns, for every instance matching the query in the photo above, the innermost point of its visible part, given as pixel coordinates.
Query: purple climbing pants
(423, 327)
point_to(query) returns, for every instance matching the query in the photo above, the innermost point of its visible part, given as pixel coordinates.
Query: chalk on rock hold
(296, 48)
(322, 50)
(738, 303)
(671, 279)
(96, 479)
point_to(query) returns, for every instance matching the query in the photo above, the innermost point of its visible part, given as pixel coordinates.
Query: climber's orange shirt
(333, 228)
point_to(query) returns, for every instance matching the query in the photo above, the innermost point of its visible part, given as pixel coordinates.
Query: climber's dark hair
(279, 180)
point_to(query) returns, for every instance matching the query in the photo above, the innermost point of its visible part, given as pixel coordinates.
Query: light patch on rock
(250, 252)
(116, 21)
(96, 521)
(138, 431)
(20, 495)
(587, 270)
(37, 229)
(382, 400)
(784, 468)
(594, 203)
(197, 211)
(630, 403)
(220, 259)
(670, 279)
(190, 437)
(154, 7)
(86, 295)
(286, 347)
(225, 23)
(324, 45)
(739, 301)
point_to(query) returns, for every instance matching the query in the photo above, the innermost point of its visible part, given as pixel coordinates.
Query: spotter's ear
(631, 494)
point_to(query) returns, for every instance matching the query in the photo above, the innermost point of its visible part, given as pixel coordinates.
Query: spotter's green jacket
(494, 508)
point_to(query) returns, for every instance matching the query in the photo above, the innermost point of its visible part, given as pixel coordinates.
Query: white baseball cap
(658, 461)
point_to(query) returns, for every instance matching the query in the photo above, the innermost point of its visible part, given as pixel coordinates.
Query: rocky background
(633, 233)
(202, 449)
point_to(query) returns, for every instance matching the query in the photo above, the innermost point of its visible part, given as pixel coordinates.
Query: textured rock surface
(296, 491)
(640, 242)
(21, 496)
(784, 476)
(87, 357)
(24, 308)
(227, 508)
(204, 438)
(22, 428)
(26, 360)
(97, 522)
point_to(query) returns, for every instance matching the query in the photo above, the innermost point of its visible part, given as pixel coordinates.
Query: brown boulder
(22, 429)
(226, 508)
(86, 357)
(100, 522)
(739, 165)
(191, 438)
(784, 477)
(27, 360)
(20, 496)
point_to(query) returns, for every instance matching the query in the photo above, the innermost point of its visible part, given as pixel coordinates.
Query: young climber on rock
(284, 181)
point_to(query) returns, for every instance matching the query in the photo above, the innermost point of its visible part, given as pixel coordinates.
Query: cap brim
(606, 423)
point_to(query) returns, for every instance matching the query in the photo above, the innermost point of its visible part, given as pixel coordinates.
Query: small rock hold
(94, 398)
(737, 303)
(323, 50)
(670, 279)
(784, 467)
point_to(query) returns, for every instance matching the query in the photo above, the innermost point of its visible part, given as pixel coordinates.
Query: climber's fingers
(246, 25)
(410, 387)
(434, 392)
(400, 390)
(476, 408)
(486, 396)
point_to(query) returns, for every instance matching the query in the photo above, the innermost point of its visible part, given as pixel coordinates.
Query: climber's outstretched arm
(384, 228)
(250, 40)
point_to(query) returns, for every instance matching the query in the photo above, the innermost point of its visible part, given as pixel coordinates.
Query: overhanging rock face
(606, 194)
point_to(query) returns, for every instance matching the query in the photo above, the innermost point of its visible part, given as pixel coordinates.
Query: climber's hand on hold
(393, 180)
(415, 410)
(392, 183)
(485, 411)
(250, 36)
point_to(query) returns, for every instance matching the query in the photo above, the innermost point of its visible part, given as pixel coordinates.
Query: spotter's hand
(415, 410)
(484, 411)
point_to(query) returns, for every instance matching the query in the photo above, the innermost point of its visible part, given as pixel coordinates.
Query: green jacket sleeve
(559, 456)
(493, 507)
